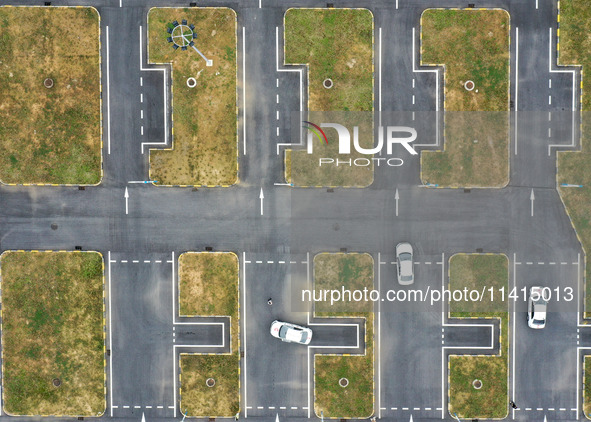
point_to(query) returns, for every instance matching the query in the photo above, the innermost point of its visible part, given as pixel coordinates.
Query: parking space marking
(108, 94)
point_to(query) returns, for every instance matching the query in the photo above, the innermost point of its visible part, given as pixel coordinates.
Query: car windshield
(283, 331)
(406, 278)
(405, 256)
(538, 321)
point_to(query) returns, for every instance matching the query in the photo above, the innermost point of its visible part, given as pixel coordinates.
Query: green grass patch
(52, 327)
(50, 135)
(336, 44)
(205, 121)
(491, 401)
(474, 46)
(573, 167)
(354, 271)
(208, 286)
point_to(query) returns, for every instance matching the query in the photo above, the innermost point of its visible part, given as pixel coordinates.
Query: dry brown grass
(52, 327)
(205, 126)
(354, 271)
(209, 287)
(335, 44)
(49, 135)
(473, 45)
(475, 272)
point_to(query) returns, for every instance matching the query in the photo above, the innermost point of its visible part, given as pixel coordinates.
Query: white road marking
(135, 261)
(142, 130)
(277, 116)
(174, 380)
(141, 81)
(142, 97)
(108, 96)
(301, 86)
(141, 114)
(277, 131)
(549, 83)
(516, 82)
(124, 261)
(166, 105)
(277, 99)
(549, 132)
(436, 71)
(413, 99)
(244, 94)
(380, 75)
(549, 99)
(379, 387)
(110, 336)
(244, 330)
(513, 340)
(574, 91)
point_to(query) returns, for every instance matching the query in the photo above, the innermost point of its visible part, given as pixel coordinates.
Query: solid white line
(516, 82)
(165, 83)
(301, 86)
(513, 341)
(309, 285)
(573, 109)
(173, 348)
(108, 96)
(414, 69)
(244, 90)
(442, 325)
(244, 330)
(110, 338)
(379, 328)
(436, 71)
(380, 75)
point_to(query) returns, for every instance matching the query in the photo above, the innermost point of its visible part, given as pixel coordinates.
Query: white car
(291, 333)
(404, 263)
(536, 308)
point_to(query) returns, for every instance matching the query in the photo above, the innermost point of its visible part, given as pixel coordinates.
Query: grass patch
(50, 135)
(573, 167)
(205, 126)
(335, 44)
(587, 386)
(354, 271)
(52, 327)
(474, 272)
(208, 286)
(473, 45)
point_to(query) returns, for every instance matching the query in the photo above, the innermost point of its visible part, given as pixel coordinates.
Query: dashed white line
(292, 262)
(277, 115)
(281, 262)
(549, 132)
(550, 99)
(270, 262)
(293, 407)
(158, 261)
(124, 261)
(159, 407)
(277, 82)
(135, 261)
(282, 407)
(413, 99)
(141, 81)
(142, 97)
(259, 262)
(277, 130)
(550, 83)
(277, 98)
(413, 82)
(141, 114)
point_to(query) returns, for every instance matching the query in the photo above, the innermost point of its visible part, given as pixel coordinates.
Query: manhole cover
(191, 82)
(343, 382)
(48, 83)
(56, 382)
(53, 226)
(327, 83)
(477, 384)
(469, 85)
(210, 382)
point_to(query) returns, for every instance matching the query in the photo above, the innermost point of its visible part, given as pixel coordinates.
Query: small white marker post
(396, 197)
(261, 197)
(126, 196)
(532, 198)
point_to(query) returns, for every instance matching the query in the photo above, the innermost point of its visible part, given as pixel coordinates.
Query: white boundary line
(443, 406)
(436, 71)
(110, 338)
(108, 96)
(301, 94)
(492, 337)
(173, 320)
(513, 340)
(516, 84)
(574, 102)
(142, 68)
(244, 330)
(243, 90)
(380, 75)
(379, 338)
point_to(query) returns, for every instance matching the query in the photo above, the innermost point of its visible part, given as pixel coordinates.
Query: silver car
(404, 257)
(536, 308)
(291, 333)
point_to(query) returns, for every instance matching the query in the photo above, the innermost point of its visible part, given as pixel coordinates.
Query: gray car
(404, 261)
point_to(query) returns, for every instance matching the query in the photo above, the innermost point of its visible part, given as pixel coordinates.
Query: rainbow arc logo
(316, 130)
